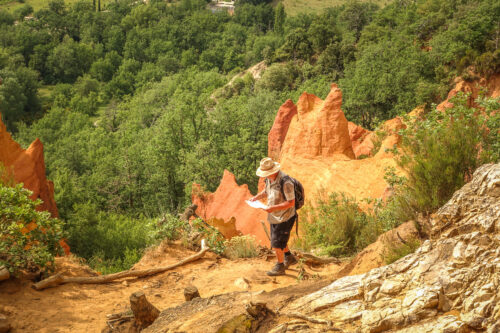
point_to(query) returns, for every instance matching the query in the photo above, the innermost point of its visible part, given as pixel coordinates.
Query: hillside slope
(450, 284)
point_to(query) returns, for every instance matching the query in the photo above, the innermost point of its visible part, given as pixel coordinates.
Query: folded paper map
(256, 204)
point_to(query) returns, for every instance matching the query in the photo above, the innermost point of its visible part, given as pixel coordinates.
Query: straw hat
(267, 167)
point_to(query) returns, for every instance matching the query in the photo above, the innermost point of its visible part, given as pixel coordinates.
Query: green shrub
(29, 239)
(106, 237)
(170, 228)
(395, 252)
(107, 266)
(441, 152)
(277, 77)
(335, 226)
(241, 247)
(215, 240)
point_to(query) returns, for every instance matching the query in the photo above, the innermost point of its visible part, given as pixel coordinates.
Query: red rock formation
(277, 134)
(358, 136)
(391, 128)
(319, 129)
(316, 149)
(228, 202)
(315, 144)
(492, 86)
(28, 167)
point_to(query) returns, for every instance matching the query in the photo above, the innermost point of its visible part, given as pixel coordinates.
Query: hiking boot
(290, 260)
(278, 269)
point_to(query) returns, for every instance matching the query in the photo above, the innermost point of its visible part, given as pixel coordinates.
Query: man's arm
(259, 196)
(281, 206)
(288, 190)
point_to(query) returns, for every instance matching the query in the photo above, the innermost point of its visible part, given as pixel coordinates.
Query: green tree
(279, 19)
(69, 60)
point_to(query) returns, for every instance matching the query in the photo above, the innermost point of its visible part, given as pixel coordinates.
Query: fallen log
(58, 279)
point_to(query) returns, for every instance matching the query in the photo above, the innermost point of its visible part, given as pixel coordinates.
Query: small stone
(393, 286)
(4, 324)
(125, 283)
(191, 292)
(242, 283)
(279, 329)
(297, 327)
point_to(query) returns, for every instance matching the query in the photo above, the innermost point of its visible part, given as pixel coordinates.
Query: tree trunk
(145, 313)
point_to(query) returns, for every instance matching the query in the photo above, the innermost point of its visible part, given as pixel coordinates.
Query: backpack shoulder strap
(282, 184)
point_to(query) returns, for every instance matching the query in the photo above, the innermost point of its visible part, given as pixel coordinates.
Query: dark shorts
(280, 233)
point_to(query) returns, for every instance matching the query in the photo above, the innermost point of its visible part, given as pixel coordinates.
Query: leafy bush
(441, 152)
(395, 252)
(214, 239)
(170, 228)
(107, 266)
(108, 238)
(241, 247)
(30, 239)
(335, 226)
(277, 77)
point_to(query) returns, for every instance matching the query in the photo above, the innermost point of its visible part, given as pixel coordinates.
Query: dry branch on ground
(58, 279)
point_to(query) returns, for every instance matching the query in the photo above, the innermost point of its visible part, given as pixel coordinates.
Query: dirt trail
(83, 308)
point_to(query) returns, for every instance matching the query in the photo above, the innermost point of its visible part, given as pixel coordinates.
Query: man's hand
(258, 196)
(269, 209)
(281, 206)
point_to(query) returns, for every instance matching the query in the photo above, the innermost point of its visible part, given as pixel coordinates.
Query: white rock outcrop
(450, 284)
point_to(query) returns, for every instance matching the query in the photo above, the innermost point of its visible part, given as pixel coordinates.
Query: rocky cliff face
(490, 86)
(450, 284)
(28, 167)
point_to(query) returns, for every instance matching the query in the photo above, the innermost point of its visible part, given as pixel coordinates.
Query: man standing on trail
(281, 212)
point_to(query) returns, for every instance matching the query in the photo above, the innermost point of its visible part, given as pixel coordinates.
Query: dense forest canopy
(133, 104)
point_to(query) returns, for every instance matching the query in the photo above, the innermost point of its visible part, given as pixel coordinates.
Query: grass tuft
(241, 247)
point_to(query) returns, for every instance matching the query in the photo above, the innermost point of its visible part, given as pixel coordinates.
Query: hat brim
(266, 173)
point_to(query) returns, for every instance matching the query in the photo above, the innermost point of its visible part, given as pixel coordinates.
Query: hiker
(281, 212)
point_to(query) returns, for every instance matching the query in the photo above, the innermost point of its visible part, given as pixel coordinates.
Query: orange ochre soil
(83, 307)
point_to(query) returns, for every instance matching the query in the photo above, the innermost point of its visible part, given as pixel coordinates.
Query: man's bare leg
(280, 255)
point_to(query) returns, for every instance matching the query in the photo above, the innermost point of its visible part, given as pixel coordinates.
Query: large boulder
(28, 167)
(450, 284)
